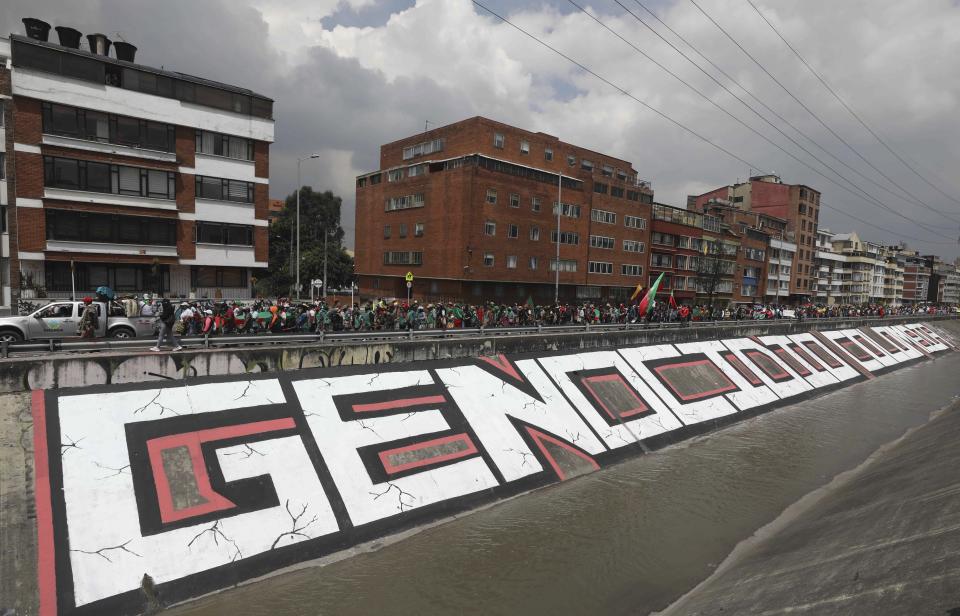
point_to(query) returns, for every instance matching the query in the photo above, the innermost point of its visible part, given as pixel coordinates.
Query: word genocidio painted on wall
(203, 484)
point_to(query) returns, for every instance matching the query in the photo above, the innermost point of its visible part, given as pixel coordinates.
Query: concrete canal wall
(203, 483)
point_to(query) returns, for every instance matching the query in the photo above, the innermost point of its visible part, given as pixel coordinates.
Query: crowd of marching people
(215, 317)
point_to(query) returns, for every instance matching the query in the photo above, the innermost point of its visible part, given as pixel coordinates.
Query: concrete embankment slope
(205, 483)
(882, 539)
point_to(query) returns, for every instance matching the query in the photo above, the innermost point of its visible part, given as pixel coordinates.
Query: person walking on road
(167, 317)
(88, 320)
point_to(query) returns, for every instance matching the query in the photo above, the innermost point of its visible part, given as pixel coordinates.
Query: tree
(711, 269)
(319, 213)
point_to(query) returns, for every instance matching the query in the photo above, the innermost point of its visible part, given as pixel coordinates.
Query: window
(490, 228)
(738, 199)
(405, 202)
(599, 267)
(3, 219)
(633, 195)
(402, 230)
(91, 176)
(418, 230)
(394, 175)
(571, 160)
(513, 232)
(220, 233)
(535, 204)
(566, 237)
(524, 146)
(498, 140)
(514, 200)
(566, 265)
(415, 170)
(221, 189)
(492, 196)
(659, 260)
(632, 246)
(217, 144)
(607, 170)
(3, 160)
(664, 239)
(600, 241)
(616, 191)
(386, 232)
(512, 262)
(488, 259)
(547, 154)
(586, 165)
(631, 269)
(664, 284)
(635, 222)
(600, 187)
(402, 257)
(70, 225)
(683, 241)
(533, 263)
(680, 261)
(534, 233)
(621, 175)
(569, 210)
(96, 126)
(603, 216)
(427, 147)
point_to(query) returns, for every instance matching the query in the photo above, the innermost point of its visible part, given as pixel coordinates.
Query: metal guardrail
(246, 340)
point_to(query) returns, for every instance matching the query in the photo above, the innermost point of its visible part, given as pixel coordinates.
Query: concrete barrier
(201, 484)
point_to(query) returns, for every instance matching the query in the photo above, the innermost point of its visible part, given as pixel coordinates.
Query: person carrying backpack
(167, 316)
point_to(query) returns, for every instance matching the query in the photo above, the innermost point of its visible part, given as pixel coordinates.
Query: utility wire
(805, 107)
(648, 106)
(870, 199)
(849, 109)
(898, 195)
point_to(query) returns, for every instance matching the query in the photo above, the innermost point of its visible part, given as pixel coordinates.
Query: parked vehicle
(62, 319)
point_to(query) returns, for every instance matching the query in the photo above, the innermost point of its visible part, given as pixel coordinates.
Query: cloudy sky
(348, 75)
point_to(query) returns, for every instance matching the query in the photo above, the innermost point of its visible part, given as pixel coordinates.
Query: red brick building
(470, 209)
(145, 180)
(798, 204)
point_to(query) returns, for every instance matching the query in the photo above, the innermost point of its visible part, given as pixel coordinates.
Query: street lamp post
(299, 161)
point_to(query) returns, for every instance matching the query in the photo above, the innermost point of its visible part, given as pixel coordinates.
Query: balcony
(111, 249)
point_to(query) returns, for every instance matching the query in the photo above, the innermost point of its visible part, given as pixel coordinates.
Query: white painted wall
(230, 256)
(114, 249)
(223, 167)
(225, 211)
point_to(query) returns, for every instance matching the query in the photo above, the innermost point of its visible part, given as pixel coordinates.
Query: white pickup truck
(61, 319)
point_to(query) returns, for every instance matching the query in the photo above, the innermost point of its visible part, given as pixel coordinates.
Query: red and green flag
(649, 300)
(673, 302)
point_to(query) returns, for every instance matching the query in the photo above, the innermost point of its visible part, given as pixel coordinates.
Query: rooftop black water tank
(36, 28)
(125, 51)
(99, 44)
(69, 37)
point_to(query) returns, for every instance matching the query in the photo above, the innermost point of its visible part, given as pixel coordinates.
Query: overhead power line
(808, 110)
(850, 110)
(858, 192)
(663, 115)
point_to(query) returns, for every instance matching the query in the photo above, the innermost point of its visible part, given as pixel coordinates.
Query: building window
(230, 146)
(664, 239)
(402, 231)
(386, 232)
(631, 269)
(659, 260)
(586, 165)
(603, 216)
(616, 191)
(524, 146)
(427, 147)
(566, 265)
(600, 188)
(221, 233)
(490, 228)
(3, 219)
(680, 261)
(402, 257)
(89, 276)
(512, 262)
(91, 176)
(488, 259)
(633, 195)
(394, 175)
(74, 226)
(664, 284)
(514, 200)
(566, 237)
(683, 241)
(599, 267)
(222, 189)
(415, 170)
(533, 263)
(534, 233)
(571, 160)
(405, 202)
(547, 154)
(3, 162)
(535, 204)
(635, 222)
(632, 246)
(513, 232)
(492, 196)
(107, 128)
(498, 140)
(569, 210)
(418, 230)
(600, 241)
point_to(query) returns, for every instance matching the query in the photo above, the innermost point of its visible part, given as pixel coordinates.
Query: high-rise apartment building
(123, 175)
(470, 209)
(799, 205)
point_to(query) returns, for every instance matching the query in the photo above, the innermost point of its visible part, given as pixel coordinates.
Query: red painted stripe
(753, 354)
(640, 408)
(46, 556)
(539, 437)
(396, 468)
(701, 394)
(397, 404)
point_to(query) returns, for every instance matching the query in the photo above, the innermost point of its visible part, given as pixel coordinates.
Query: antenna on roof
(426, 124)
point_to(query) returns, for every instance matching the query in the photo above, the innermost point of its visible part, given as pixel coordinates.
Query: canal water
(625, 540)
